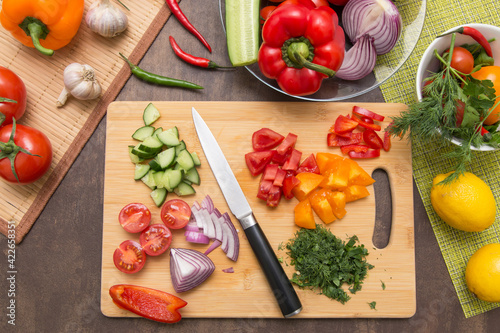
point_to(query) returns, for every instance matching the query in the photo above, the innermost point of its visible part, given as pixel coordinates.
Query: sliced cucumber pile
(161, 159)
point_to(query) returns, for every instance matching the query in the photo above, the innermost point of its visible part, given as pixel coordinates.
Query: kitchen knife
(280, 284)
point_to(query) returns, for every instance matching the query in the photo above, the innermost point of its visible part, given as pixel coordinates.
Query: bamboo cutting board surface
(245, 293)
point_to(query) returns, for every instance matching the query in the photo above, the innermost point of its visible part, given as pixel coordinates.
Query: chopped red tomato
(148, 303)
(134, 217)
(274, 196)
(372, 139)
(289, 183)
(287, 145)
(292, 163)
(308, 165)
(129, 257)
(371, 153)
(334, 140)
(265, 139)
(387, 141)
(367, 125)
(175, 213)
(362, 112)
(280, 177)
(270, 171)
(344, 124)
(264, 188)
(257, 160)
(155, 239)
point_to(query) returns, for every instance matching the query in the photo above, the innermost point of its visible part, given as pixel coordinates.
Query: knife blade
(281, 287)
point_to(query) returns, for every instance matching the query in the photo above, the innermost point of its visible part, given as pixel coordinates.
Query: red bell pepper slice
(256, 161)
(372, 139)
(357, 148)
(309, 165)
(289, 183)
(387, 141)
(292, 163)
(371, 153)
(364, 124)
(334, 140)
(265, 139)
(362, 112)
(344, 125)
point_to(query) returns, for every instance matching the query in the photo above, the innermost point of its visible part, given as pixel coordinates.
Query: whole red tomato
(462, 60)
(30, 150)
(12, 88)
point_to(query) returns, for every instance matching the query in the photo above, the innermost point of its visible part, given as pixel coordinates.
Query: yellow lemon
(466, 203)
(482, 273)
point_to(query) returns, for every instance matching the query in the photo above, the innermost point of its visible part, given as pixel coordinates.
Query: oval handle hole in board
(383, 209)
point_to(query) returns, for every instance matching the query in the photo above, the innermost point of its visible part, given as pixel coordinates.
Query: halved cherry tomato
(265, 139)
(462, 60)
(372, 139)
(129, 257)
(155, 239)
(134, 217)
(308, 165)
(344, 124)
(175, 213)
(149, 303)
(362, 112)
(257, 160)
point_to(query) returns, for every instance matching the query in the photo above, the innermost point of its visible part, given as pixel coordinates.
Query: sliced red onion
(233, 241)
(215, 244)
(208, 204)
(217, 225)
(228, 270)
(359, 61)
(189, 268)
(192, 226)
(379, 19)
(196, 237)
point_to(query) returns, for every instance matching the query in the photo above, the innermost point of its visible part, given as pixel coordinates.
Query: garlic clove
(79, 81)
(106, 19)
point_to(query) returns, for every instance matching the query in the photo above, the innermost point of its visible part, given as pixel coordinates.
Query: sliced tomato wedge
(256, 161)
(292, 163)
(134, 217)
(175, 213)
(372, 139)
(334, 140)
(344, 124)
(129, 257)
(371, 153)
(155, 239)
(265, 139)
(287, 145)
(362, 112)
(149, 303)
(308, 165)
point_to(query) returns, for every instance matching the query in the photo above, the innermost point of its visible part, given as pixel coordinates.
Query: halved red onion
(359, 61)
(189, 268)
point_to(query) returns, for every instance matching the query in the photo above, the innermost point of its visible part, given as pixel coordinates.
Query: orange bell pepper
(321, 205)
(304, 217)
(308, 182)
(46, 25)
(337, 202)
(355, 192)
(357, 175)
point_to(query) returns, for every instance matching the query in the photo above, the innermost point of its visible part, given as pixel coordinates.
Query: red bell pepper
(302, 45)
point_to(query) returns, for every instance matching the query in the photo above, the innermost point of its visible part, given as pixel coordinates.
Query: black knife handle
(280, 284)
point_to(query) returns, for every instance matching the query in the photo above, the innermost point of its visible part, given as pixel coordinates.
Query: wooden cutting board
(245, 293)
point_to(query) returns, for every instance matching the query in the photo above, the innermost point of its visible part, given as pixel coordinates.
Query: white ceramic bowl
(429, 64)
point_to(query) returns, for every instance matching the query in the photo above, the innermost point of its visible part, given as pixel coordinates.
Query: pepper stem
(299, 53)
(37, 30)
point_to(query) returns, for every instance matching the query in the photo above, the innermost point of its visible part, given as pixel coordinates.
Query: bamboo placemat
(70, 127)
(456, 246)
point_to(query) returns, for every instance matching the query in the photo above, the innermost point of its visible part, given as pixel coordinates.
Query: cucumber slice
(184, 189)
(196, 159)
(156, 132)
(151, 145)
(143, 132)
(166, 158)
(155, 165)
(141, 153)
(242, 31)
(133, 157)
(158, 178)
(168, 138)
(185, 160)
(150, 115)
(149, 180)
(159, 196)
(174, 177)
(180, 147)
(192, 176)
(141, 170)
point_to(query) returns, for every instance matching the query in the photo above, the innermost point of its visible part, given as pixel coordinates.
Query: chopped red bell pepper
(372, 139)
(334, 140)
(364, 124)
(387, 141)
(344, 124)
(371, 153)
(362, 112)
(357, 148)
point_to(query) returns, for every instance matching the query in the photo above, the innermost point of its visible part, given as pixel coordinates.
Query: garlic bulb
(106, 19)
(79, 81)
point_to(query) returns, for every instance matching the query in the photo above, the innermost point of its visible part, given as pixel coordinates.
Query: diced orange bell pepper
(357, 175)
(321, 205)
(325, 160)
(308, 183)
(337, 177)
(337, 202)
(304, 216)
(355, 192)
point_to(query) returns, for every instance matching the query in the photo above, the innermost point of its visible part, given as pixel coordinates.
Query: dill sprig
(434, 117)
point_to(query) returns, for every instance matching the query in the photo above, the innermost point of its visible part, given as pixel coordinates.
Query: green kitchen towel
(456, 246)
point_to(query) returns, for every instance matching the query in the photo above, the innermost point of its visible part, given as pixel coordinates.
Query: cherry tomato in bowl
(462, 60)
(129, 257)
(175, 213)
(134, 217)
(26, 151)
(155, 239)
(12, 96)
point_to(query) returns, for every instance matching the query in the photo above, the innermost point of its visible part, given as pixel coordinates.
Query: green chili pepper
(159, 79)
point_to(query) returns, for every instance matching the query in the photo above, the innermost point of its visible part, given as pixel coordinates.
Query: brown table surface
(59, 261)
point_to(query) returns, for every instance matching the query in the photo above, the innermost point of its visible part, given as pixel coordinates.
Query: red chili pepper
(196, 61)
(476, 35)
(176, 10)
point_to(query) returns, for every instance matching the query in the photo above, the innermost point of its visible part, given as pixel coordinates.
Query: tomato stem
(4, 99)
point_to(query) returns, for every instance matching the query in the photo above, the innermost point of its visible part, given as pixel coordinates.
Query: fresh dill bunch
(454, 106)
